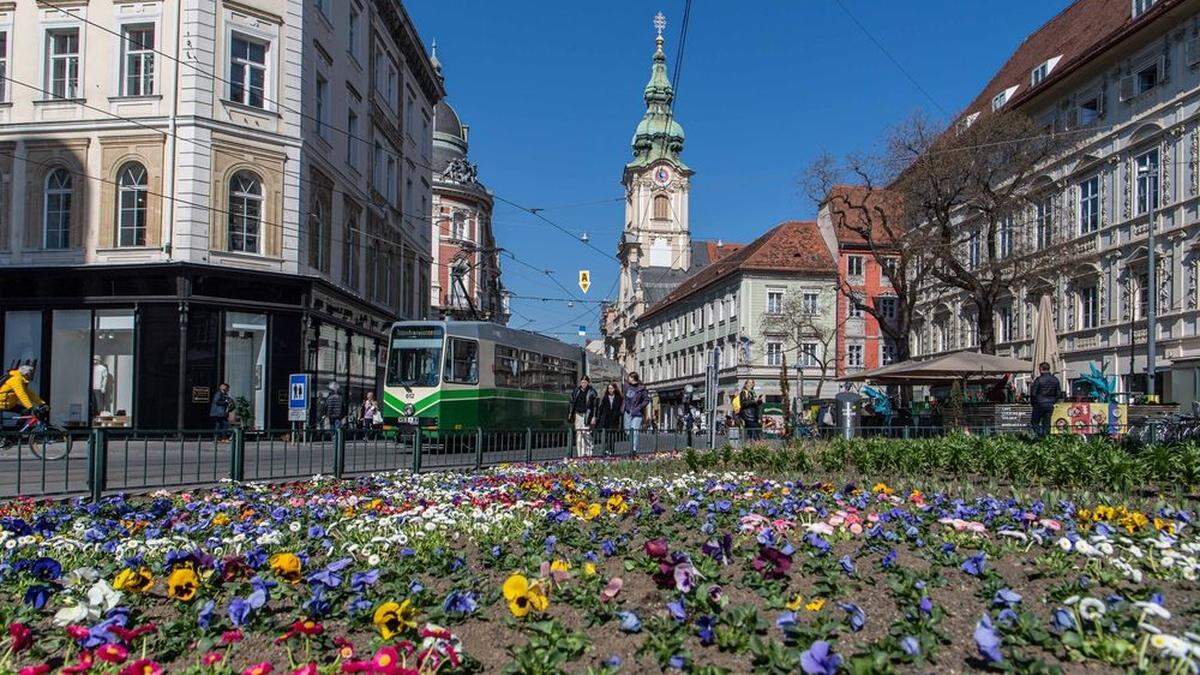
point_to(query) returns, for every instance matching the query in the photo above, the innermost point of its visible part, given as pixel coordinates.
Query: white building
(1122, 77)
(197, 192)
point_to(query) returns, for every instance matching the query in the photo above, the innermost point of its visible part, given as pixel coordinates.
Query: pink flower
(1050, 524)
(306, 669)
(386, 661)
(112, 653)
(212, 658)
(39, 669)
(820, 528)
(611, 589)
(259, 669)
(142, 667)
(21, 636)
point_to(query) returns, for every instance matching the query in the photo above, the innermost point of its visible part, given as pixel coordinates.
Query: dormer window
(1140, 7)
(1043, 71)
(966, 122)
(1003, 97)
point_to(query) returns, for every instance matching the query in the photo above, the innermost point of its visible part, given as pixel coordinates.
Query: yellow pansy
(815, 605)
(524, 597)
(589, 568)
(616, 504)
(287, 566)
(393, 617)
(138, 580)
(182, 584)
(795, 603)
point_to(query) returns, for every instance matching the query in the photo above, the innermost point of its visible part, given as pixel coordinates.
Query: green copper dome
(658, 135)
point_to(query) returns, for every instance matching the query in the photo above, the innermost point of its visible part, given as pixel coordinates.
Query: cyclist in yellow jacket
(15, 394)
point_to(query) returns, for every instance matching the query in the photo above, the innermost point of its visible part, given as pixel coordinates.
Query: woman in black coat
(608, 416)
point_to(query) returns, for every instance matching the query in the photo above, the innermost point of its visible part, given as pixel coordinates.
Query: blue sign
(298, 387)
(583, 330)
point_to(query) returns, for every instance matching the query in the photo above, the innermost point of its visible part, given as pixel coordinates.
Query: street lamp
(1151, 174)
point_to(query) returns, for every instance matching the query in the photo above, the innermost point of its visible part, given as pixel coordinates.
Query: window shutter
(1128, 87)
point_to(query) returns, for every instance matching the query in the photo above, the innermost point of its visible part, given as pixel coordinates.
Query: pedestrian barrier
(102, 461)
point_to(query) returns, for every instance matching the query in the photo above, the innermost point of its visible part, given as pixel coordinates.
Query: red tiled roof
(792, 246)
(717, 251)
(846, 204)
(1076, 34)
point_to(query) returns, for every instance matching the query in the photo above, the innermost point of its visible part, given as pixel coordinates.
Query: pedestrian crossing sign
(585, 280)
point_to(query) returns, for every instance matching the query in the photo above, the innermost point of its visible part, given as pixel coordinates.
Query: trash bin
(734, 434)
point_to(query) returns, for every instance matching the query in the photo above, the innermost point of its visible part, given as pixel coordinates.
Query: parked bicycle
(33, 430)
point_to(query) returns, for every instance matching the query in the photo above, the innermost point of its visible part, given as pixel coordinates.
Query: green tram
(454, 375)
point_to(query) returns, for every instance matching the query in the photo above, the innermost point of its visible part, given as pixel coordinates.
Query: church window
(662, 207)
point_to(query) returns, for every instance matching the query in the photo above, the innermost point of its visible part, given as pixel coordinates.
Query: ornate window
(132, 187)
(137, 75)
(662, 207)
(56, 210)
(245, 212)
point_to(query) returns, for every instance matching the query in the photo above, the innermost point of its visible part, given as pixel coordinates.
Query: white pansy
(1091, 609)
(1153, 609)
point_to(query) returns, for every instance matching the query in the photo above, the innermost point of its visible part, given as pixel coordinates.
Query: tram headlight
(409, 410)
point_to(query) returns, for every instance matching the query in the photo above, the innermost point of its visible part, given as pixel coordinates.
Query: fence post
(339, 452)
(907, 430)
(478, 448)
(97, 463)
(571, 434)
(237, 456)
(416, 450)
(528, 444)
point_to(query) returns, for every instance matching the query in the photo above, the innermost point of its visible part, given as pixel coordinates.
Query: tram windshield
(415, 357)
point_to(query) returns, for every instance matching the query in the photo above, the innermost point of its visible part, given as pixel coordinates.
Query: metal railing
(101, 461)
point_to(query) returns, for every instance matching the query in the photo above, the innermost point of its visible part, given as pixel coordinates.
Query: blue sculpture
(881, 404)
(1104, 388)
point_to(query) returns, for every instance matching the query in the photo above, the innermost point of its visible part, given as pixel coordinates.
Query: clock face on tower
(662, 176)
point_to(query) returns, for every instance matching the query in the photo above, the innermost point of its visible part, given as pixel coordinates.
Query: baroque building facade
(466, 261)
(1122, 79)
(198, 192)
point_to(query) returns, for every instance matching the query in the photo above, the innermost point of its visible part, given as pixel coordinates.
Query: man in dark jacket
(583, 415)
(218, 410)
(1043, 394)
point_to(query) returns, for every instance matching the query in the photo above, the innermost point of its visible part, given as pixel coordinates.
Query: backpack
(737, 403)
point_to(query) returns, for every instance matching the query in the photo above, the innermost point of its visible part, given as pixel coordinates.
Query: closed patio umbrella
(1045, 341)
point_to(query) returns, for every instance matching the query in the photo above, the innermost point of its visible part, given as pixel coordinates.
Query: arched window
(56, 212)
(662, 207)
(245, 212)
(132, 184)
(319, 230)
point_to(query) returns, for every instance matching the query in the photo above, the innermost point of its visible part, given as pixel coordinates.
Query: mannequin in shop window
(101, 382)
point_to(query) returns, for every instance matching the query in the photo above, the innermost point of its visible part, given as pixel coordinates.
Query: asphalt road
(144, 464)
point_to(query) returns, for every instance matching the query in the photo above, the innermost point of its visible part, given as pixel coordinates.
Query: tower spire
(658, 135)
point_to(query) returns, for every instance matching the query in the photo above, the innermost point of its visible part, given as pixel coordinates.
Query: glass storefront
(246, 364)
(112, 368)
(70, 372)
(23, 340)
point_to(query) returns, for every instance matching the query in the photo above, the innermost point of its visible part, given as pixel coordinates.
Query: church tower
(656, 237)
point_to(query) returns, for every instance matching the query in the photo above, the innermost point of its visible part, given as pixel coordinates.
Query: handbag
(377, 418)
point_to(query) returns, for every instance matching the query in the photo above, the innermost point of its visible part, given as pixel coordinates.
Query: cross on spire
(660, 22)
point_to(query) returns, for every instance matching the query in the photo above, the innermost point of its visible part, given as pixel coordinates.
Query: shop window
(69, 350)
(246, 365)
(112, 368)
(23, 340)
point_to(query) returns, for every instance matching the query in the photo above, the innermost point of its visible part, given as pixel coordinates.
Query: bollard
(237, 456)
(97, 463)
(479, 448)
(339, 452)
(416, 451)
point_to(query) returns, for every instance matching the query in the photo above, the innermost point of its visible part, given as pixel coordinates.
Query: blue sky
(552, 92)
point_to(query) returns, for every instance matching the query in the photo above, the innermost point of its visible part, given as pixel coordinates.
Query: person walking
(608, 415)
(750, 411)
(634, 408)
(219, 410)
(1043, 394)
(335, 408)
(583, 415)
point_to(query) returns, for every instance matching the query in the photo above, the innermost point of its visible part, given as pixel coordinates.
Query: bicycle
(45, 440)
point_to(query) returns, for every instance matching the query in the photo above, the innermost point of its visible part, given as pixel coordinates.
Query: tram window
(462, 361)
(506, 368)
(531, 368)
(416, 354)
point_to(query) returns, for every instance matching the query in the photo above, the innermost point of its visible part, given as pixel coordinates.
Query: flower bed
(596, 565)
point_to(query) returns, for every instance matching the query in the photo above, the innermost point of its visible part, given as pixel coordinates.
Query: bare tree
(960, 210)
(987, 213)
(810, 335)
